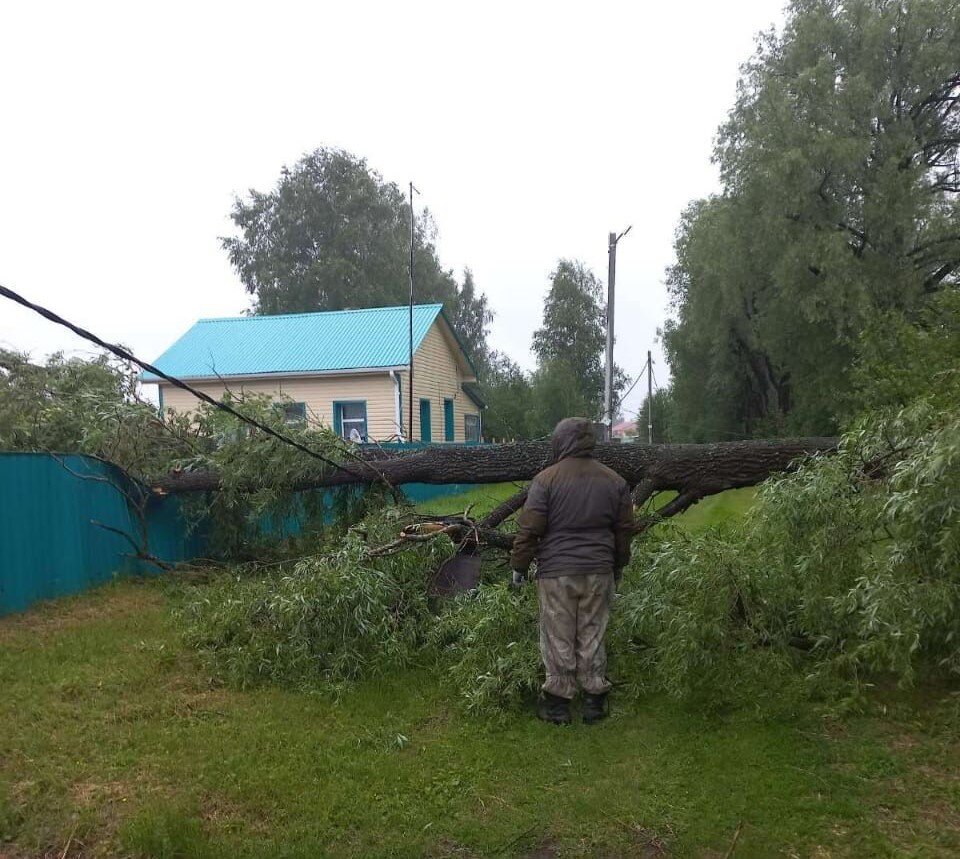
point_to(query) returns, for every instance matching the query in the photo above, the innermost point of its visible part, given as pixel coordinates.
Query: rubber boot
(595, 708)
(554, 709)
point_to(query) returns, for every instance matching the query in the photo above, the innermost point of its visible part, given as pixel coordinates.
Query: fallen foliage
(845, 572)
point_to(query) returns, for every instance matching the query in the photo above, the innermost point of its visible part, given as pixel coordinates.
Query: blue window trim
(449, 428)
(426, 437)
(338, 416)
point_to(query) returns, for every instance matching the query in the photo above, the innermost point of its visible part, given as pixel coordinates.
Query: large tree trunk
(693, 470)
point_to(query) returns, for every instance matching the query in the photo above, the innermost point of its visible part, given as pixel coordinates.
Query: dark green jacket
(578, 517)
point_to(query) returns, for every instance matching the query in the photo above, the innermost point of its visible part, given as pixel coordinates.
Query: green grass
(481, 499)
(114, 742)
(713, 510)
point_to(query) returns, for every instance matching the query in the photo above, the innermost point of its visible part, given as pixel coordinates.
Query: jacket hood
(573, 437)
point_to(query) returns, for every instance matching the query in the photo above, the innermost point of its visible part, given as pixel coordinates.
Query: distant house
(625, 430)
(347, 369)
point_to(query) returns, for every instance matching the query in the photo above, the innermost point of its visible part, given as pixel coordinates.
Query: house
(348, 369)
(624, 430)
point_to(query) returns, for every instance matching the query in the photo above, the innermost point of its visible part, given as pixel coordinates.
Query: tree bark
(693, 469)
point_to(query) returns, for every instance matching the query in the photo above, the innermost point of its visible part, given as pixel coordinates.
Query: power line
(619, 400)
(627, 394)
(636, 412)
(126, 355)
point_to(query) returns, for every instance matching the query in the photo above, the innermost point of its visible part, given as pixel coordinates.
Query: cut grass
(115, 742)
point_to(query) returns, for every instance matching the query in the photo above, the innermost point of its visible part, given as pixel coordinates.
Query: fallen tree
(693, 471)
(274, 461)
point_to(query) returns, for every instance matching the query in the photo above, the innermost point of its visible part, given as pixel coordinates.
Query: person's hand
(518, 578)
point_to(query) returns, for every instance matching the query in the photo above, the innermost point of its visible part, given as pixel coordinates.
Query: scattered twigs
(66, 848)
(346, 449)
(412, 534)
(652, 843)
(461, 529)
(464, 531)
(138, 552)
(509, 845)
(95, 478)
(682, 502)
(878, 467)
(733, 844)
(135, 495)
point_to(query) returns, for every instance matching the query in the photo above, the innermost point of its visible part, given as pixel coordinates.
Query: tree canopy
(332, 235)
(66, 404)
(840, 172)
(508, 394)
(569, 346)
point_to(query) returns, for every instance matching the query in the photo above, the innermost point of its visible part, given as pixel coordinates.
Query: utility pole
(608, 405)
(409, 433)
(649, 398)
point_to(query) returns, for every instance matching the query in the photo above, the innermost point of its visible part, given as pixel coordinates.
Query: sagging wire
(621, 398)
(627, 394)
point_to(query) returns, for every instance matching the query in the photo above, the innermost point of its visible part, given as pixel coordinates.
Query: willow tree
(841, 180)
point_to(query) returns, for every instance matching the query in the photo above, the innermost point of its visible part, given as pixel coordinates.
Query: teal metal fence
(418, 492)
(56, 516)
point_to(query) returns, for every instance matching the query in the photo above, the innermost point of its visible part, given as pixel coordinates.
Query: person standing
(577, 524)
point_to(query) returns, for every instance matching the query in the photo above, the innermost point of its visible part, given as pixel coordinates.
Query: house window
(426, 432)
(448, 420)
(471, 427)
(350, 420)
(293, 413)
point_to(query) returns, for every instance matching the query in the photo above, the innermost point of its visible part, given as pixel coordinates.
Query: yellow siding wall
(317, 392)
(436, 377)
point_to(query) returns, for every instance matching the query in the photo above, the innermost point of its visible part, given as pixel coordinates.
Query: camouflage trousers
(574, 612)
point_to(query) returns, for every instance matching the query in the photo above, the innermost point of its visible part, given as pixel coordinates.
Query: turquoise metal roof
(297, 342)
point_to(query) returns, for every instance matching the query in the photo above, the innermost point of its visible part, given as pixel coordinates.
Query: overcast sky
(531, 129)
